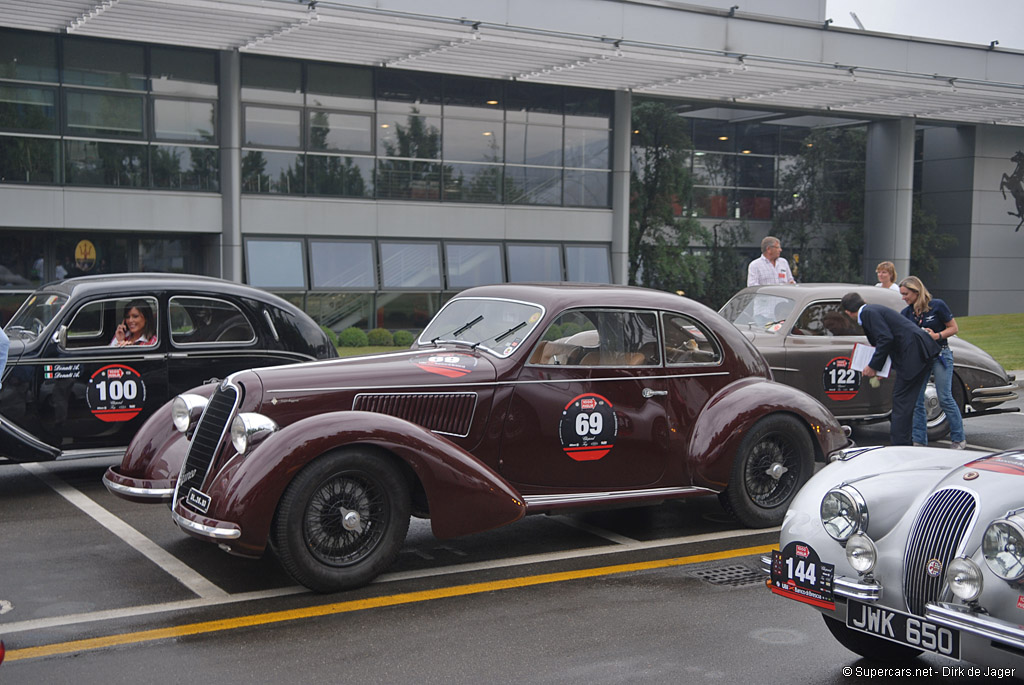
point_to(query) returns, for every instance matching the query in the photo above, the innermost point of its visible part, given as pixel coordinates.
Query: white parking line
(136, 540)
(594, 530)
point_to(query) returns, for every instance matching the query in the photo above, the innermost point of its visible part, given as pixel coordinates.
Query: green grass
(1001, 335)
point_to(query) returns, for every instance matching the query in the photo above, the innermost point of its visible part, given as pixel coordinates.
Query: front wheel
(342, 520)
(869, 646)
(775, 459)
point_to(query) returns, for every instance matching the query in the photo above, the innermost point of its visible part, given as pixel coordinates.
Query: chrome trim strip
(961, 618)
(148, 493)
(85, 453)
(1000, 390)
(580, 497)
(207, 531)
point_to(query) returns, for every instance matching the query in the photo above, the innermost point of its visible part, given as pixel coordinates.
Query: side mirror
(60, 336)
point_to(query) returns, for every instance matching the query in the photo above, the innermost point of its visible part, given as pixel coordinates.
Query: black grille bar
(940, 528)
(449, 413)
(206, 440)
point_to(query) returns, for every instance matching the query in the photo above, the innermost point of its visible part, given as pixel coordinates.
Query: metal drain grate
(730, 575)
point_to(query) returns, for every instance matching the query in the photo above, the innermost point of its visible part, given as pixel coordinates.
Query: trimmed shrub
(331, 335)
(571, 329)
(380, 337)
(404, 338)
(352, 337)
(554, 332)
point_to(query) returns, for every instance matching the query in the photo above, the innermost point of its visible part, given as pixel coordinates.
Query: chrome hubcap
(351, 520)
(776, 470)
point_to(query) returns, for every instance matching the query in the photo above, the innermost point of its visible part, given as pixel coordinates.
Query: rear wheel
(341, 522)
(775, 459)
(868, 646)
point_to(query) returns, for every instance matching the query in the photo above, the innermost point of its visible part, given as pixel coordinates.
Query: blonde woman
(886, 273)
(934, 316)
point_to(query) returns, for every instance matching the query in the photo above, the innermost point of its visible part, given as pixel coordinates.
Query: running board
(578, 498)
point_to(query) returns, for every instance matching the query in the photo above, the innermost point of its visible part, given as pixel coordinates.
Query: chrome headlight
(861, 553)
(844, 512)
(1003, 547)
(964, 578)
(186, 410)
(249, 428)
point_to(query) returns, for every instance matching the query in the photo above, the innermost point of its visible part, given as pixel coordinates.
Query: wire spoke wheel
(772, 471)
(345, 519)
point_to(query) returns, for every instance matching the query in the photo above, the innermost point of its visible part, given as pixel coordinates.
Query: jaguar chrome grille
(449, 413)
(940, 529)
(206, 440)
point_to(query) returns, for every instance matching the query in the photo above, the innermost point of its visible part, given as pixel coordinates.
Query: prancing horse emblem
(1015, 182)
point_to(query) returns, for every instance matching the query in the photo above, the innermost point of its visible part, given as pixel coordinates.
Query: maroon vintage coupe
(515, 400)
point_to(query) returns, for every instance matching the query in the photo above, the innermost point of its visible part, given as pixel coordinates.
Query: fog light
(1003, 547)
(843, 512)
(964, 578)
(861, 553)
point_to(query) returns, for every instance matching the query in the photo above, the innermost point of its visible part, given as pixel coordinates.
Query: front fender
(465, 495)
(720, 428)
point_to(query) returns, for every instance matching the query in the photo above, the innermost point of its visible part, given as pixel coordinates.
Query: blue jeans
(944, 387)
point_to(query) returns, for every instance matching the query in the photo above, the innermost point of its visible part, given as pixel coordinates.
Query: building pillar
(230, 112)
(888, 196)
(622, 130)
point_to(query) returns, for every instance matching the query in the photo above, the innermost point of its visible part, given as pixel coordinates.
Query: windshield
(498, 326)
(35, 315)
(758, 311)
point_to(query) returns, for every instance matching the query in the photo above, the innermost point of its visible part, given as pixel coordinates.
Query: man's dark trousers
(905, 392)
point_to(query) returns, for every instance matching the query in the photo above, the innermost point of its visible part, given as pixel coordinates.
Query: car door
(93, 395)
(589, 408)
(819, 350)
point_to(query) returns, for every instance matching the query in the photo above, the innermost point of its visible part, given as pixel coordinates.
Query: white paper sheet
(862, 355)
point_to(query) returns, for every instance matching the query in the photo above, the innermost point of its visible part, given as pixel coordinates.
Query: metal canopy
(334, 32)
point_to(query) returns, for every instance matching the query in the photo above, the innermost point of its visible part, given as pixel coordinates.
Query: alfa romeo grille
(450, 413)
(937, 535)
(207, 438)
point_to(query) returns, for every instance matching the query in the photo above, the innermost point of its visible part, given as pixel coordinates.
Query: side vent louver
(448, 413)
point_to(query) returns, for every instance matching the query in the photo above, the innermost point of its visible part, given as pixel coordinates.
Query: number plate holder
(905, 629)
(798, 573)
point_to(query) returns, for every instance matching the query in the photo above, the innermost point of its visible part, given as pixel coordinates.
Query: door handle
(648, 393)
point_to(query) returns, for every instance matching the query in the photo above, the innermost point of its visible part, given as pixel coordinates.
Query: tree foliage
(926, 242)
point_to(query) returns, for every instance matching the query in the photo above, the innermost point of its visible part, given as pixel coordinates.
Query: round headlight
(861, 553)
(964, 578)
(1003, 547)
(844, 512)
(186, 409)
(248, 428)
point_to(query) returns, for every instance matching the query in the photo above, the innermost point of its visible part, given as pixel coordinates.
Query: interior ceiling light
(492, 102)
(746, 152)
(723, 137)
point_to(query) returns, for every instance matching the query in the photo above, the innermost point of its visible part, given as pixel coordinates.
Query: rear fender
(465, 495)
(726, 419)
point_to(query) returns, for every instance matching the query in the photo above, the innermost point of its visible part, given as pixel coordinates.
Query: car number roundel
(839, 380)
(116, 393)
(588, 427)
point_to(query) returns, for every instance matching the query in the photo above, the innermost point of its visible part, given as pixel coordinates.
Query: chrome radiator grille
(449, 413)
(207, 438)
(937, 535)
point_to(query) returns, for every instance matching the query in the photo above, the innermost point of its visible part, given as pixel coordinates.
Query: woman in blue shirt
(934, 316)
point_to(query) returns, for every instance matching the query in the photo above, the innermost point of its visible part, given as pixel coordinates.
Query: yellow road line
(361, 604)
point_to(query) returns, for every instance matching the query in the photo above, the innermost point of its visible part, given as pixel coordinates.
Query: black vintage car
(69, 390)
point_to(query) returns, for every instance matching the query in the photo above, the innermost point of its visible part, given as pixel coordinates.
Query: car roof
(559, 296)
(816, 291)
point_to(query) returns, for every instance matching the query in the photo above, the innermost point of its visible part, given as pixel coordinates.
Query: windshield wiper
(458, 331)
(502, 336)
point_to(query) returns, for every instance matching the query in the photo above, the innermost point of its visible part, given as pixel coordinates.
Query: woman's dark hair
(149, 330)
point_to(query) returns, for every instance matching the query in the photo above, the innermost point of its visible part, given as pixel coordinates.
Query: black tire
(869, 646)
(342, 520)
(938, 424)
(775, 459)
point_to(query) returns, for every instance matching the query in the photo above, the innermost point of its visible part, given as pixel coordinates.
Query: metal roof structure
(648, 47)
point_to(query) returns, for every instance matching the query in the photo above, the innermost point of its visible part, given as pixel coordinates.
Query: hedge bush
(352, 337)
(380, 337)
(331, 335)
(404, 338)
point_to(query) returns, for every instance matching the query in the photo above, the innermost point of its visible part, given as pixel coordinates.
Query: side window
(825, 318)
(115, 323)
(686, 342)
(205, 320)
(597, 337)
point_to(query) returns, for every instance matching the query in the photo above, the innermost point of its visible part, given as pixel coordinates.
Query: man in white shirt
(769, 268)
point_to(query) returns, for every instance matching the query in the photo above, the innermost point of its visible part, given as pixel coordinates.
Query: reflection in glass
(186, 168)
(272, 172)
(28, 109)
(339, 311)
(755, 171)
(399, 179)
(275, 264)
(711, 169)
(534, 263)
(410, 265)
(28, 56)
(713, 202)
(89, 62)
(271, 79)
(471, 264)
(80, 254)
(412, 136)
(182, 71)
(342, 264)
(171, 255)
(29, 160)
(585, 148)
(478, 98)
(105, 164)
(339, 83)
(406, 311)
(533, 186)
(533, 144)
(22, 264)
(472, 183)
(755, 204)
(587, 188)
(340, 131)
(184, 120)
(467, 140)
(339, 176)
(273, 126)
(105, 114)
(588, 263)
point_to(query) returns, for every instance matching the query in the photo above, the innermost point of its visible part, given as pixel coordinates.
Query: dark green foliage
(554, 332)
(926, 242)
(352, 337)
(380, 337)
(404, 338)
(331, 335)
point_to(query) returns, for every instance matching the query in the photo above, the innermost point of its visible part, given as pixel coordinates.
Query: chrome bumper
(206, 528)
(996, 395)
(137, 490)
(863, 591)
(959, 617)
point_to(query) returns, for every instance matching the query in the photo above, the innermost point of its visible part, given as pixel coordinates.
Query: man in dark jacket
(912, 352)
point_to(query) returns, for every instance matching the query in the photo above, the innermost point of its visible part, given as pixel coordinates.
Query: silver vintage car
(897, 570)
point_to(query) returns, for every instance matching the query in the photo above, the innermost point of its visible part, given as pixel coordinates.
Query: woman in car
(138, 327)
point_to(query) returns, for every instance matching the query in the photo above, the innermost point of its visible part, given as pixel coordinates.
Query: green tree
(726, 265)
(819, 213)
(926, 242)
(660, 254)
